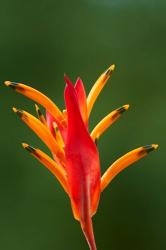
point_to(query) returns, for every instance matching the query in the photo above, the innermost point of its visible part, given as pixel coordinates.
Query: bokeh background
(39, 41)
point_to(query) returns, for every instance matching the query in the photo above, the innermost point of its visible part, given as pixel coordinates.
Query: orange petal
(58, 136)
(65, 114)
(124, 162)
(107, 121)
(43, 132)
(97, 87)
(40, 115)
(39, 98)
(50, 164)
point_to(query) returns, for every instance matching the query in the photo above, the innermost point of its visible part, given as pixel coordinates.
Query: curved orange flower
(75, 161)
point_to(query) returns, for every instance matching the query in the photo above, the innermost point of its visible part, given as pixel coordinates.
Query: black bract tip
(121, 110)
(30, 149)
(96, 141)
(13, 85)
(39, 112)
(150, 147)
(19, 112)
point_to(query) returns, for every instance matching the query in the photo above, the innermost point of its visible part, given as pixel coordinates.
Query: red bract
(82, 165)
(75, 160)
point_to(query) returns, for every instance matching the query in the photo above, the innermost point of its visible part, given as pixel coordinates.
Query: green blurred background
(39, 41)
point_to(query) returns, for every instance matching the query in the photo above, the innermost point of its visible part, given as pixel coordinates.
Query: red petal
(50, 120)
(82, 160)
(50, 124)
(81, 96)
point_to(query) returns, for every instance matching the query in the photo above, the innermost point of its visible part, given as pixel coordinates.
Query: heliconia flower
(75, 159)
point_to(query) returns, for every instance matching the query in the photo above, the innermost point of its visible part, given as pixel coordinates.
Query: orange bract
(49, 163)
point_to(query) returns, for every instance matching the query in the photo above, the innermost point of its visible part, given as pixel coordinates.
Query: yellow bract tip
(7, 83)
(54, 125)
(126, 106)
(25, 145)
(112, 67)
(36, 107)
(109, 70)
(14, 109)
(155, 146)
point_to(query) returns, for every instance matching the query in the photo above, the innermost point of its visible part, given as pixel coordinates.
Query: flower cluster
(75, 159)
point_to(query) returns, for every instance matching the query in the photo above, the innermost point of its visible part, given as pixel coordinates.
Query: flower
(75, 158)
